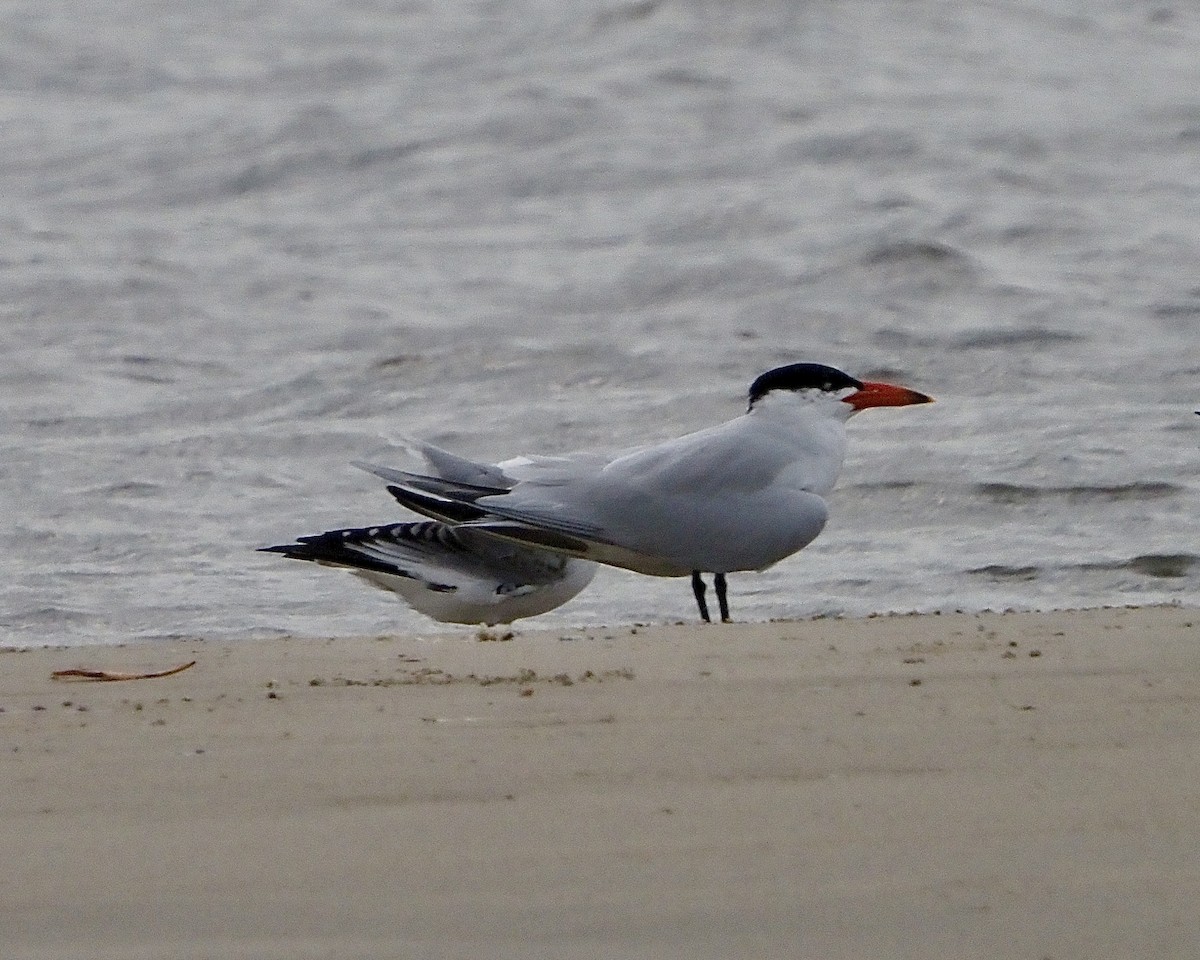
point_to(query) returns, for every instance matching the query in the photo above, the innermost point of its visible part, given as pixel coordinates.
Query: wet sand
(1017, 785)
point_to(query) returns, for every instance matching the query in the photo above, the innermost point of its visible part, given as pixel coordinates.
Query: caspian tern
(742, 495)
(451, 575)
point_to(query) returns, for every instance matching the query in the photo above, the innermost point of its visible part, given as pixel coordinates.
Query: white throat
(805, 403)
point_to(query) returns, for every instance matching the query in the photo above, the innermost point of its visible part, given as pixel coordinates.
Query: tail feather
(446, 465)
(450, 466)
(439, 486)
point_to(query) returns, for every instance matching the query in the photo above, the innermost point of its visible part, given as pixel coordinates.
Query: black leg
(698, 589)
(722, 601)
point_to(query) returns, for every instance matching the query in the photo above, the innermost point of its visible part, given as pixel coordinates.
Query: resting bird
(455, 576)
(741, 495)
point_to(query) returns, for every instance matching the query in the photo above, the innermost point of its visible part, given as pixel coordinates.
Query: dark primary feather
(366, 548)
(416, 550)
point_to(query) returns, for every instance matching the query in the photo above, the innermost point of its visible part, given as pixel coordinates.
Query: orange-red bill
(875, 394)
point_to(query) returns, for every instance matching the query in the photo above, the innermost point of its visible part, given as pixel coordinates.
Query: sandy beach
(996, 785)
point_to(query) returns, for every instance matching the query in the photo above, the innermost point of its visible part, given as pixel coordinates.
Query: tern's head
(830, 389)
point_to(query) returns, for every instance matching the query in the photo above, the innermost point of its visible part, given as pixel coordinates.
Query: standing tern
(741, 495)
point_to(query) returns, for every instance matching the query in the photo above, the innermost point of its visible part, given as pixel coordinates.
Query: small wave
(917, 264)
(398, 360)
(914, 252)
(385, 154)
(881, 486)
(1164, 565)
(628, 13)
(1180, 315)
(1000, 571)
(45, 617)
(1010, 493)
(261, 175)
(1172, 311)
(1033, 336)
(142, 368)
(129, 488)
(321, 161)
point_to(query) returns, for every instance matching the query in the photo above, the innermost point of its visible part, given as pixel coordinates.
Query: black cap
(802, 376)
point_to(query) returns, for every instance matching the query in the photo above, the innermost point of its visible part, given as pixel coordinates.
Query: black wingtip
(293, 551)
(340, 548)
(437, 507)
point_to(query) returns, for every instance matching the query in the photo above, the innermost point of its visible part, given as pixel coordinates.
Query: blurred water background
(243, 243)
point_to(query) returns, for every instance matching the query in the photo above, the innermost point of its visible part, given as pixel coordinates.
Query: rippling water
(243, 244)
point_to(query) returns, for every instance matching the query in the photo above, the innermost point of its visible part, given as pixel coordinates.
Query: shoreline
(932, 785)
(530, 628)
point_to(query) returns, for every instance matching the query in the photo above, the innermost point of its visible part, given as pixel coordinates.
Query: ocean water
(245, 243)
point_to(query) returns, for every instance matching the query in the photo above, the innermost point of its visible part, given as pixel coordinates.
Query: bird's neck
(813, 432)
